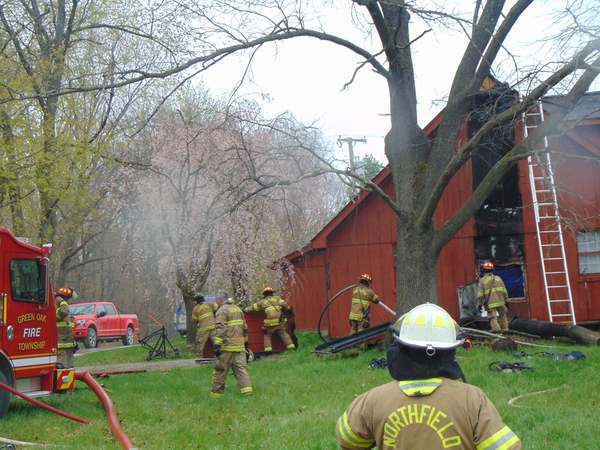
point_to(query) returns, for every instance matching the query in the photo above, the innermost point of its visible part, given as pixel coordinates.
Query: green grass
(124, 354)
(298, 400)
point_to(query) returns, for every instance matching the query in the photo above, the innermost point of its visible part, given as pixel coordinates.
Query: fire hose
(335, 297)
(43, 405)
(109, 408)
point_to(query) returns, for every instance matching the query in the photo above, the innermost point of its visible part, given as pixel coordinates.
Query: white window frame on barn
(588, 248)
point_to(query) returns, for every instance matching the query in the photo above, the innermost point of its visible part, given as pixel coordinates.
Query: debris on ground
(509, 367)
(378, 363)
(570, 356)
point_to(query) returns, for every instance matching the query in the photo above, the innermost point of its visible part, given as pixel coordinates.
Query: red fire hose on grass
(43, 405)
(111, 413)
(109, 408)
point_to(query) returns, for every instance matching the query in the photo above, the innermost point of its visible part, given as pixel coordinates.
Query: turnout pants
(237, 362)
(280, 331)
(357, 325)
(201, 340)
(498, 318)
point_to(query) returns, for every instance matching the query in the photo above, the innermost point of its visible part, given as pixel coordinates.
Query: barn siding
(364, 241)
(578, 184)
(307, 293)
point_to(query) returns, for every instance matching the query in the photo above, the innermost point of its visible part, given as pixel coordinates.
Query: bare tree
(421, 165)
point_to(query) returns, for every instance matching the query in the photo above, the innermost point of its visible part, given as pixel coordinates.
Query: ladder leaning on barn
(548, 224)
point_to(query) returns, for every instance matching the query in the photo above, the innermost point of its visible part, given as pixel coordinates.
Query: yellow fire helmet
(429, 327)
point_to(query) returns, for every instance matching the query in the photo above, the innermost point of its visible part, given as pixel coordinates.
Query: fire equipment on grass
(509, 367)
(157, 342)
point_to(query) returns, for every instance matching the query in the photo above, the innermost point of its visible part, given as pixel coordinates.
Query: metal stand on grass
(158, 343)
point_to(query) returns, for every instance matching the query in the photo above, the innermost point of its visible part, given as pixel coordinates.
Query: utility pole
(350, 141)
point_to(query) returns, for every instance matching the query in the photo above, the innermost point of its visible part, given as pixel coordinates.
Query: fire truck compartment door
(29, 333)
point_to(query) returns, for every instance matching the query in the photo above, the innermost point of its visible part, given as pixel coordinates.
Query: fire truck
(28, 334)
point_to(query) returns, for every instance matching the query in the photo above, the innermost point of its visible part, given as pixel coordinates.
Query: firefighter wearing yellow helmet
(427, 407)
(362, 297)
(492, 295)
(275, 320)
(64, 325)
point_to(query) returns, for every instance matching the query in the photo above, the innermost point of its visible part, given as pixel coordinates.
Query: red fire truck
(28, 335)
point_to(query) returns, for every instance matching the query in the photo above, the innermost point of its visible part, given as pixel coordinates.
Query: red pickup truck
(101, 321)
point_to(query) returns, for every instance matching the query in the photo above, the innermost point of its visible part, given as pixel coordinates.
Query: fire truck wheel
(128, 338)
(4, 395)
(91, 338)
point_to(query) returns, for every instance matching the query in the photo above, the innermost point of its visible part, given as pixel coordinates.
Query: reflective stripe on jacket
(273, 307)
(64, 326)
(430, 414)
(491, 292)
(203, 315)
(231, 332)
(362, 297)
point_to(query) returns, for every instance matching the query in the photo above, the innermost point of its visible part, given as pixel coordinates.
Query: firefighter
(427, 407)
(362, 297)
(203, 315)
(231, 346)
(492, 295)
(64, 324)
(275, 322)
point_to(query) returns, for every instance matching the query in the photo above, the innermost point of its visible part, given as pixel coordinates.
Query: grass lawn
(297, 401)
(125, 354)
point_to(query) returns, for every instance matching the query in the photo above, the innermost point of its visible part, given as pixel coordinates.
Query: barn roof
(587, 108)
(319, 241)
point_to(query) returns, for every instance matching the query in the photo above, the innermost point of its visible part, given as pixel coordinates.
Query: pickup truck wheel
(91, 338)
(4, 395)
(128, 338)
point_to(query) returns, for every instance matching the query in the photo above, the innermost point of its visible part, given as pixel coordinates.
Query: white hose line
(513, 400)
(387, 308)
(23, 443)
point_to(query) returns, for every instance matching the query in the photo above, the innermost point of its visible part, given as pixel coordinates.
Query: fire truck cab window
(27, 280)
(110, 310)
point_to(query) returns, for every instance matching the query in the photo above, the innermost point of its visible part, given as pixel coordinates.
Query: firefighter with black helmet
(65, 325)
(492, 295)
(362, 297)
(275, 320)
(203, 315)
(427, 407)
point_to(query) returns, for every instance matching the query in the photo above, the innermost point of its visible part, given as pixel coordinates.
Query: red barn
(514, 227)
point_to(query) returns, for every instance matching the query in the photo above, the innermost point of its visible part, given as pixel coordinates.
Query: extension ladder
(550, 240)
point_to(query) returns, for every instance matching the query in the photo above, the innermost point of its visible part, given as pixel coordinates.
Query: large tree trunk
(190, 326)
(416, 267)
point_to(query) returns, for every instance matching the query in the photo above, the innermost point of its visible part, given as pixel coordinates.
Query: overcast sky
(306, 76)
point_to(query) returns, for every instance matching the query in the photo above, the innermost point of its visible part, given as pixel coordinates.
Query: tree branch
(498, 39)
(518, 152)
(465, 151)
(226, 51)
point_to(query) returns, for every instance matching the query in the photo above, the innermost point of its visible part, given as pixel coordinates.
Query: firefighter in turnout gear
(231, 345)
(64, 325)
(362, 297)
(427, 407)
(492, 295)
(274, 322)
(203, 315)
